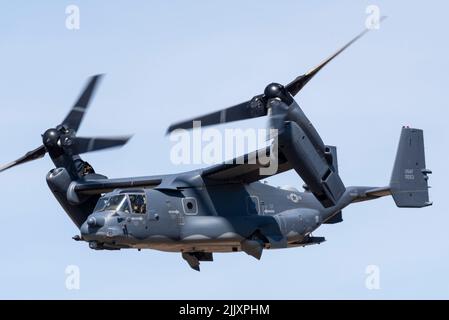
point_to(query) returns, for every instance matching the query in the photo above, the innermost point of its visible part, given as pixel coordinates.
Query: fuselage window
(138, 203)
(190, 206)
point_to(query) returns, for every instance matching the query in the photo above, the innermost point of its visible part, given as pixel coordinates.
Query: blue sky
(166, 61)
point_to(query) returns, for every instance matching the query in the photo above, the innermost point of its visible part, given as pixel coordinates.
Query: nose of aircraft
(95, 221)
(97, 228)
(92, 226)
(85, 230)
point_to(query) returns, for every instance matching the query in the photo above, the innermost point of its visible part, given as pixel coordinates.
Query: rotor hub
(51, 137)
(276, 90)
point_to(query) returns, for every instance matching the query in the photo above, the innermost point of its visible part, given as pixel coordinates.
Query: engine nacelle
(59, 181)
(307, 154)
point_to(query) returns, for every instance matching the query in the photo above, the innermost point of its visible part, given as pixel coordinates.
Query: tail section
(408, 184)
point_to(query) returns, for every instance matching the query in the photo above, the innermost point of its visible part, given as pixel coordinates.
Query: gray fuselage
(210, 218)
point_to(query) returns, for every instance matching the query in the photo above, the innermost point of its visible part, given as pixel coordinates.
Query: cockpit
(127, 203)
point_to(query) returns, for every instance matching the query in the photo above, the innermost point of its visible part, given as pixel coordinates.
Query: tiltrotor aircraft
(222, 208)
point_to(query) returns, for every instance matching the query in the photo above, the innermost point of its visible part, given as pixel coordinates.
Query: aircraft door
(136, 221)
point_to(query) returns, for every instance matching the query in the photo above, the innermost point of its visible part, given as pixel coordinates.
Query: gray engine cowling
(59, 181)
(307, 154)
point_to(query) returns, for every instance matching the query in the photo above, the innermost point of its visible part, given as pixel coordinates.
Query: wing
(248, 168)
(251, 167)
(99, 186)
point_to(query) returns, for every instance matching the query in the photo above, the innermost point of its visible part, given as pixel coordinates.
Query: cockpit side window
(138, 203)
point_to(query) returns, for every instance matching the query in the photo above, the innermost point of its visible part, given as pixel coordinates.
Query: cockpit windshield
(114, 203)
(101, 204)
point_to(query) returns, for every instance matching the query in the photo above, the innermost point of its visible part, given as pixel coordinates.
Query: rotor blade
(29, 156)
(296, 85)
(75, 116)
(83, 145)
(253, 108)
